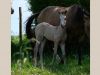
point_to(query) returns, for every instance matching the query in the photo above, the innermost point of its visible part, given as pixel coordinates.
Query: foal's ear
(65, 11)
(59, 11)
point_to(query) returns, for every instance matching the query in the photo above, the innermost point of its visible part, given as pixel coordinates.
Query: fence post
(20, 38)
(20, 26)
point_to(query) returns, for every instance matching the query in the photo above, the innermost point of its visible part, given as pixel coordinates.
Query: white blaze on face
(62, 19)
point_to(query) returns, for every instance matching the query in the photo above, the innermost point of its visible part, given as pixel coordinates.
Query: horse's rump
(50, 15)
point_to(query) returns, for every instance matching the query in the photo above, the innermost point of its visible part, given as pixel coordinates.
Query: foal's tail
(29, 31)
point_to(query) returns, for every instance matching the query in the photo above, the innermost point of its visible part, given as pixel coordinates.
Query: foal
(57, 34)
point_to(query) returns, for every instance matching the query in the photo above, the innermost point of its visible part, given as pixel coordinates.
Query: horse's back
(46, 30)
(44, 26)
(49, 15)
(39, 30)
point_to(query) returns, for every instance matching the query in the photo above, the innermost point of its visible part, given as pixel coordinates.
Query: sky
(15, 17)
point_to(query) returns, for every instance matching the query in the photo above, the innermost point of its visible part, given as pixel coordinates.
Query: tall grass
(22, 62)
(71, 68)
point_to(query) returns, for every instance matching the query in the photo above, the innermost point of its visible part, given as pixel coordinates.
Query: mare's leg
(41, 52)
(79, 55)
(55, 52)
(35, 53)
(62, 45)
(80, 49)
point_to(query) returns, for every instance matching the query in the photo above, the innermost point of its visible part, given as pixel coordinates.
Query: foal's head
(62, 16)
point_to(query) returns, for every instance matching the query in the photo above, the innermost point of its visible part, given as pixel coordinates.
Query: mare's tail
(29, 31)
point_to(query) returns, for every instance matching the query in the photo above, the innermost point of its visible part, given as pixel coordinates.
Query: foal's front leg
(62, 45)
(55, 52)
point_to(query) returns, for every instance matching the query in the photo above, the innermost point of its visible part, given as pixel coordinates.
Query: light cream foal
(57, 34)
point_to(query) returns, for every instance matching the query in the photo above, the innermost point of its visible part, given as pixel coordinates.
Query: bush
(18, 51)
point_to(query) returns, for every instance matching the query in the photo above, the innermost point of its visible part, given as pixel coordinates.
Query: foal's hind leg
(35, 53)
(55, 52)
(62, 45)
(41, 52)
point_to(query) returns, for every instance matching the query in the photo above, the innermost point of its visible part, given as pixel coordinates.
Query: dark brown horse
(75, 22)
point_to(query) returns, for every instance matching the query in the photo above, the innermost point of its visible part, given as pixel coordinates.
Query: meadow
(22, 62)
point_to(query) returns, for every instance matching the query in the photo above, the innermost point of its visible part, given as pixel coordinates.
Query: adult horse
(75, 22)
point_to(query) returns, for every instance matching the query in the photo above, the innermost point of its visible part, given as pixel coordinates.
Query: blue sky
(15, 17)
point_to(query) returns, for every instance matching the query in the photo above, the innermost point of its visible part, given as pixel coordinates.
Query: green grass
(71, 68)
(27, 68)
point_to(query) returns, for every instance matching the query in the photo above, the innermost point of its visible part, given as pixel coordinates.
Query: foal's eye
(65, 11)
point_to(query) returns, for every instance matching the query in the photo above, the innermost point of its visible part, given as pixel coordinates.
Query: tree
(38, 5)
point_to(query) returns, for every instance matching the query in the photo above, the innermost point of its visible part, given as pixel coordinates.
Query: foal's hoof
(51, 63)
(61, 62)
(34, 65)
(79, 63)
(42, 67)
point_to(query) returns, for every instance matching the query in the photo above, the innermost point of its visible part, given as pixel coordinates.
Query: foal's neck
(61, 27)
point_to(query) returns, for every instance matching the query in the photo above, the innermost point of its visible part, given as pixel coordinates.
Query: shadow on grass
(71, 68)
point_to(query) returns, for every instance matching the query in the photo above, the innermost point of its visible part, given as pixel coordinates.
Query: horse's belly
(49, 34)
(53, 35)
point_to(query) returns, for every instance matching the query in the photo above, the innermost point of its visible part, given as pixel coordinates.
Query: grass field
(27, 68)
(71, 68)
